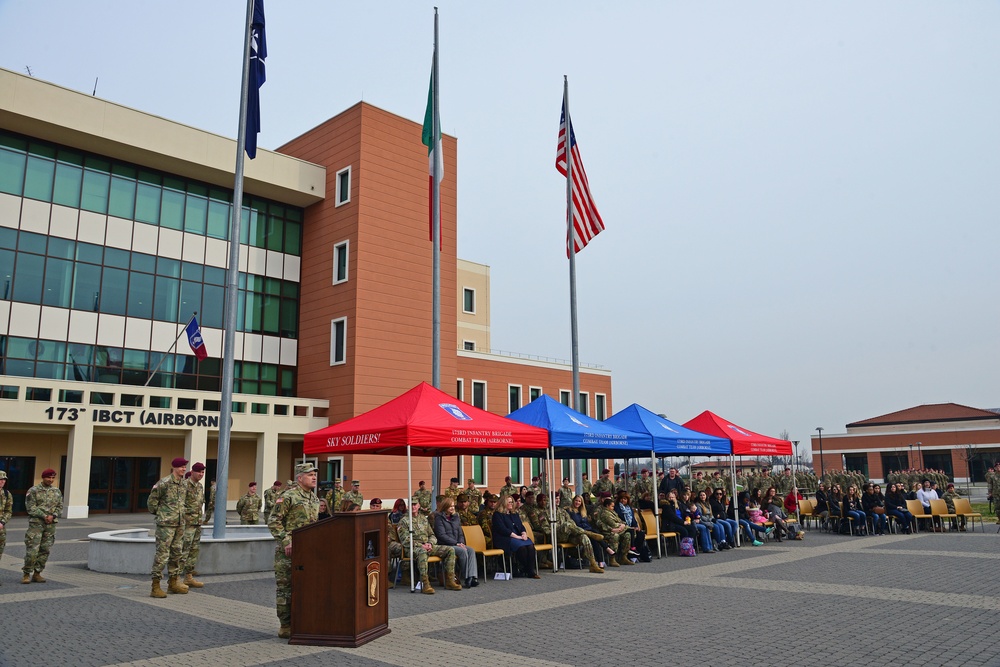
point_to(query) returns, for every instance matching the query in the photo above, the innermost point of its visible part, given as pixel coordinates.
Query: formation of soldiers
(915, 476)
(993, 484)
(176, 501)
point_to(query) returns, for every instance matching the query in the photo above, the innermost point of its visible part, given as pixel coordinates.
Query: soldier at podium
(296, 507)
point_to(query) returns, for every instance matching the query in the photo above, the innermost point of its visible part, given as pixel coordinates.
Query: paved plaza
(928, 599)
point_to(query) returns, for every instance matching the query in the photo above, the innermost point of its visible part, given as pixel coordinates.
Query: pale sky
(801, 199)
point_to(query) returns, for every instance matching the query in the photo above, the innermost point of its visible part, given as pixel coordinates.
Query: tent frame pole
(409, 491)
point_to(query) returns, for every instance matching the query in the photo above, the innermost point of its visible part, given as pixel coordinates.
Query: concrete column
(76, 487)
(266, 468)
(196, 446)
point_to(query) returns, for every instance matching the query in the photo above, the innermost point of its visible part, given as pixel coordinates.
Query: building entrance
(121, 483)
(20, 477)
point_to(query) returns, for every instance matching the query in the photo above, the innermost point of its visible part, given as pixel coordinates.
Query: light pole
(820, 429)
(795, 443)
(920, 455)
(910, 460)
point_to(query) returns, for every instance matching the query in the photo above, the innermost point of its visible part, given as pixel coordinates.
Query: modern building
(959, 440)
(114, 232)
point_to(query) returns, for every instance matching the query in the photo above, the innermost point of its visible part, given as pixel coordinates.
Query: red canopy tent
(426, 422)
(745, 443)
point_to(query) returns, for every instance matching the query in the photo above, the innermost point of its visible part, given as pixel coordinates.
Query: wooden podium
(339, 580)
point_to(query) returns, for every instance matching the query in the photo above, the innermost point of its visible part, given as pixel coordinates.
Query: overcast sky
(801, 199)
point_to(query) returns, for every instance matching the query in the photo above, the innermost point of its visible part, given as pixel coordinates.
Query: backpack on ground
(687, 547)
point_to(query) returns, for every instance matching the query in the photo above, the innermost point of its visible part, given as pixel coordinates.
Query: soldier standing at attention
(248, 507)
(270, 496)
(508, 488)
(603, 484)
(44, 504)
(587, 487)
(296, 507)
(193, 502)
(452, 491)
(424, 496)
(6, 509)
(354, 495)
(474, 495)
(210, 506)
(167, 501)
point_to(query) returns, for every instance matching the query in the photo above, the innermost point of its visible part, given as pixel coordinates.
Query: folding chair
(475, 538)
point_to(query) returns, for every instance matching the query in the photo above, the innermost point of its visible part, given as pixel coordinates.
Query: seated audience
(615, 532)
(580, 516)
(425, 544)
(630, 517)
(719, 515)
(895, 506)
(853, 508)
(398, 510)
(509, 534)
(448, 530)
(874, 508)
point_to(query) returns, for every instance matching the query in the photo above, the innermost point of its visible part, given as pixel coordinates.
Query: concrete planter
(131, 551)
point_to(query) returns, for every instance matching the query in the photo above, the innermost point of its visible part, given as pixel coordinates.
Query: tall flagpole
(232, 276)
(571, 248)
(436, 240)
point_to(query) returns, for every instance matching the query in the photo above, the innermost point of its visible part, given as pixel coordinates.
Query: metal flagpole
(232, 276)
(736, 509)
(571, 248)
(656, 505)
(436, 240)
(169, 350)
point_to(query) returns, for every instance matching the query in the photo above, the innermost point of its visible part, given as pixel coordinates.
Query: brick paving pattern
(927, 599)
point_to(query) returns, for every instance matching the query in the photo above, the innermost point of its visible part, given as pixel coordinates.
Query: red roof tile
(935, 412)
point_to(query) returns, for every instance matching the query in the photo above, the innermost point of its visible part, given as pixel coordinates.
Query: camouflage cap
(304, 468)
(3, 474)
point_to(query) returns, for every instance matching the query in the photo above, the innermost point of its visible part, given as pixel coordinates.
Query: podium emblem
(373, 584)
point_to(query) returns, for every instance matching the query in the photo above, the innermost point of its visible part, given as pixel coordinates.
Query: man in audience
(603, 484)
(672, 482)
(425, 544)
(925, 495)
(949, 497)
(452, 491)
(354, 495)
(474, 495)
(423, 494)
(508, 487)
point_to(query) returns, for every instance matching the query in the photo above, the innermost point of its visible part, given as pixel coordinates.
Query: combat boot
(623, 558)
(156, 591)
(285, 632)
(190, 581)
(25, 578)
(451, 583)
(38, 578)
(594, 567)
(425, 586)
(594, 536)
(174, 586)
(611, 562)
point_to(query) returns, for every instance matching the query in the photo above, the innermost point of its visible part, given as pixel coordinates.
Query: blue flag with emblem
(258, 52)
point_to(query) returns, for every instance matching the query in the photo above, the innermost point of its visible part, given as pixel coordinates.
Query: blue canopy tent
(668, 439)
(573, 435)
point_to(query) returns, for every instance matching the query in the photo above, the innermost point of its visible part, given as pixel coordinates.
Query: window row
(84, 276)
(59, 360)
(47, 172)
(514, 398)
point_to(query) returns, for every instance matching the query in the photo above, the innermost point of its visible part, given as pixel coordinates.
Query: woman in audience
(449, 532)
(792, 501)
(509, 534)
(348, 506)
(398, 510)
(324, 511)
(701, 511)
(769, 498)
(822, 504)
(615, 532)
(753, 531)
(895, 505)
(718, 507)
(630, 517)
(578, 512)
(853, 508)
(692, 516)
(837, 507)
(672, 517)
(874, 507)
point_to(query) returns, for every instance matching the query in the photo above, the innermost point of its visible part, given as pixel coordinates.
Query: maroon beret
(178, 462)
(48, 472)
(187, 475)
(198, 467)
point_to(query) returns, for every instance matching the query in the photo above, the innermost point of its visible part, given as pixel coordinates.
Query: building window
(515, 470)
(341, 253)
(600, 407)
(564, 397)
(857, 463)
(469, 345)
(567, 469)
(479, 394)
(338, 341)
(343, 186)
(460, 389)
(583, 405)
(536, 467)
(514, 393)
(469, 300)
(533, 393)
(479, 469)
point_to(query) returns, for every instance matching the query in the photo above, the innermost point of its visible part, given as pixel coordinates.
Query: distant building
(960, 440)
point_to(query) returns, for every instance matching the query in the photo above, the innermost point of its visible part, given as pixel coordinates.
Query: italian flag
(431, 138)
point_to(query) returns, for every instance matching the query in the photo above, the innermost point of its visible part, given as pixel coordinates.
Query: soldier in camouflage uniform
(354, 495)
(248, 507)
(270, 495)
(615, 532)
(44, 504)
(508, 487)
(333, 496)
(167, 501)
(784, 482)
(587, 488)
(603, 484)
(949, 497)
(699, 483)
(644, 484)
(6, 510)
(193, 502)
(474, 495)
(465, 512)
(568, 531)
(293, 509)
(565, 494)
(485, 517)
(210, 505)
(424, 545)
(452, 491)
(424, 496)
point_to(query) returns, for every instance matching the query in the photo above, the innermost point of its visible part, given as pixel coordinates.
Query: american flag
(587, 221)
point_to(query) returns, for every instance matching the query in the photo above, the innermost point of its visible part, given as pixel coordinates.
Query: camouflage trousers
(3, 539)
(620, 542)
(446, 554)
(38, 541)
(190, 548)
(283, 585)
(249, 520)
(169, 551)
(580, 539)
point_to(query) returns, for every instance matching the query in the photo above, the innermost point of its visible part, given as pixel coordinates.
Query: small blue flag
(258, 53)
(195, 340)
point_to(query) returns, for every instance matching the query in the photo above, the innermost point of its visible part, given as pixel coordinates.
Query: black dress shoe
(475, 582)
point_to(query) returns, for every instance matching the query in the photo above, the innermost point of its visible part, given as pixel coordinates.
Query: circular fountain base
(131, 551)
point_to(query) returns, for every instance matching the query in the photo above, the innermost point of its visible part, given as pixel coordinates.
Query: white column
(196, 446)
(266, 467)
(76, 489)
